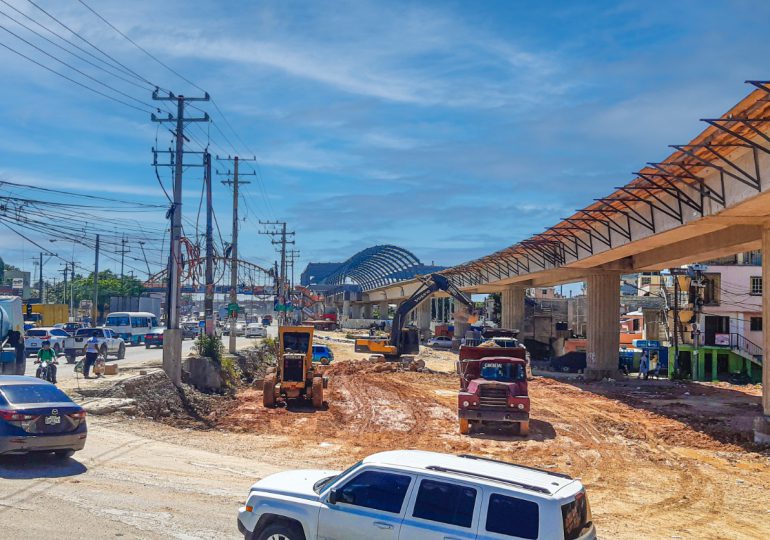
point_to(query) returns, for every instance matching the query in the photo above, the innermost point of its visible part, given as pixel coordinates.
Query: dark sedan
(35, 416)
(154, 338)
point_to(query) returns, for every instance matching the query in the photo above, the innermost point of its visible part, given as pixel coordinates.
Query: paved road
(126, 485)
(137, 356)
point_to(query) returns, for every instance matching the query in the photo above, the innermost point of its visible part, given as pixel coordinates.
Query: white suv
(411, 494)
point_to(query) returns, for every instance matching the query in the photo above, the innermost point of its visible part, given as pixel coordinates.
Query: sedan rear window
(18, 394)
(37, 333)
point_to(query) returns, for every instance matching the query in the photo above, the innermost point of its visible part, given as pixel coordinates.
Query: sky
(452, 129)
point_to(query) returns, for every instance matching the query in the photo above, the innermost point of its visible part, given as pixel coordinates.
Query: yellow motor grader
(295, 375)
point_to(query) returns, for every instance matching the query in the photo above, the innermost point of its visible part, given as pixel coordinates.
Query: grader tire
(318, 392)
(268, 392)
(524, 428)
(465, 426)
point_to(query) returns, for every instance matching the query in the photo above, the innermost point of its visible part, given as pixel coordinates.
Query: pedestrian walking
(644, 366)
(92, 353)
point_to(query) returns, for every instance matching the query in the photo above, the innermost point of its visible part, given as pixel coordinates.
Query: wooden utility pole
(233, 307)
(282, 234)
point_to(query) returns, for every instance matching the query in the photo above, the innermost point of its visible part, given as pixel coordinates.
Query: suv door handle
(382, 525)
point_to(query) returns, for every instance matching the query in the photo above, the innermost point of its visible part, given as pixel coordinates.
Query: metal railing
(745, 345)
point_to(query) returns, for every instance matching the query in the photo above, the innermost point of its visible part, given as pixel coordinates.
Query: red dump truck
(493, 388)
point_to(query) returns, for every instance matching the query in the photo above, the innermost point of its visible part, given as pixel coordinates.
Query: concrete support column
(762, 423)
(367, 311)
(422, 315)
(603, 325)
(461, 324)
(355, 311)
(345, 310)
(512, 300)
(383, 310)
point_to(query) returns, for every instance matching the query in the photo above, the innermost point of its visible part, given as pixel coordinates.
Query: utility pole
(172, 338)
(282, 234)
(41, 285)
(233, 307)
(293, 255)
(123, 250)
(65, 272)
(208, 300)
(141, 246)
(95, 309)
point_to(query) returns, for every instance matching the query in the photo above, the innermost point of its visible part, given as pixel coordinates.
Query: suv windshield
(319, 486)
(497, 371)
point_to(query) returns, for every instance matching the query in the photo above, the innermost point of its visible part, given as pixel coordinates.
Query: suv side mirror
(333, 496)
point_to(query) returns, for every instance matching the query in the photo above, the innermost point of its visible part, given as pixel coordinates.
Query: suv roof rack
(552, 473)
(493, 478)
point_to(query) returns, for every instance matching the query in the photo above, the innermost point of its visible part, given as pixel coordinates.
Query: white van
(131, 325)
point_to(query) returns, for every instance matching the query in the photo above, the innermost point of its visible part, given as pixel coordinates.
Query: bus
(131, 325)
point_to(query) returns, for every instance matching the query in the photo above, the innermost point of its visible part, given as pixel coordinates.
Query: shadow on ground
(38, 465)
(539, 430)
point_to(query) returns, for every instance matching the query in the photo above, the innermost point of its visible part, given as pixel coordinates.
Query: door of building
(715, 325)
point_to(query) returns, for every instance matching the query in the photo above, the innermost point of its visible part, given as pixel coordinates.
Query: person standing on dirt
(644, 366)
(92, 354)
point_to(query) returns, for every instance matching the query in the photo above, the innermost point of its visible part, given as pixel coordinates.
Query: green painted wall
(705, 366)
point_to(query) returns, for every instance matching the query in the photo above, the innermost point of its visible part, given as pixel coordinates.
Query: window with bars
(755, 286)
(755, 324)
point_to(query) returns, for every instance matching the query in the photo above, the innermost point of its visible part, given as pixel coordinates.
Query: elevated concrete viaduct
(709, 198)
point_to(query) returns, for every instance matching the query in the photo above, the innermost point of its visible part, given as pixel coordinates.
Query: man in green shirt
(46, 357)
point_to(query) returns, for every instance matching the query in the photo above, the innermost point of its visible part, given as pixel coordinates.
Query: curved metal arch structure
(376, 266)
(160, 277)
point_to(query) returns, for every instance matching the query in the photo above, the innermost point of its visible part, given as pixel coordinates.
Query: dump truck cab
(295, 375)
(493, 388)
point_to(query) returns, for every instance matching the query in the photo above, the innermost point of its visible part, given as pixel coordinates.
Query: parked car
(571, 362)
(35, 416)
(240, 328)
(417, 494)
(255, 330)
(190, 330)
(109, 343)
(440, 342)
(154, 338)
(34, 338)
(322, 354)
(72, 327)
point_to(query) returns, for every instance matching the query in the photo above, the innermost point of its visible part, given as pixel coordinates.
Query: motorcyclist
(92, 353)
(46, 357)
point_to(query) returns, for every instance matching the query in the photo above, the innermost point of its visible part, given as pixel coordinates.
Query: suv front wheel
(280, 531)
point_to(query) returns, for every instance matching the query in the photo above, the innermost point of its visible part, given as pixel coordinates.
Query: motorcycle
(45, 372)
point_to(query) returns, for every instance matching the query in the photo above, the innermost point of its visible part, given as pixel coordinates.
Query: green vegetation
(210, 347)
(109, 285)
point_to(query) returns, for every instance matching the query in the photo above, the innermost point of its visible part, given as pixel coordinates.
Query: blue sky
(452, 129)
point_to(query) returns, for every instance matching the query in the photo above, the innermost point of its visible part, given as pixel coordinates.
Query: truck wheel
(279, 531)
(524, 428)
(146, 345)
(103, 350)
(122, 351)
(70, 359)
(318, 392)
(268, 392)
(465, 426)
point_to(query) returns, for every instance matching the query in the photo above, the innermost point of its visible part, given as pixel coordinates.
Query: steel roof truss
(637, 216)
(717, 123)
(752, 182)
(611, 225)
(591, 231)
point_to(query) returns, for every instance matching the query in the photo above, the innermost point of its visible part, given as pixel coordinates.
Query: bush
(210, 347)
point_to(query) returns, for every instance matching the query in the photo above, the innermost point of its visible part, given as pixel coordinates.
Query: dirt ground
(659, 459)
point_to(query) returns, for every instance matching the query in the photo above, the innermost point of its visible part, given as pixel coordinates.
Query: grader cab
(295, 375)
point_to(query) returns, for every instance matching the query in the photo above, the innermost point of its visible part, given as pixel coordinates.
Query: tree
(109, 285)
